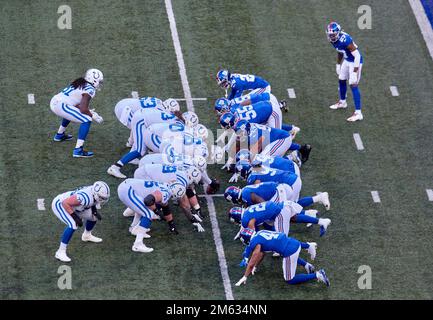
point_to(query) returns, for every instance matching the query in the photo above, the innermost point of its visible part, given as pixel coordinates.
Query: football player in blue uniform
(289, 248)
(349, 66)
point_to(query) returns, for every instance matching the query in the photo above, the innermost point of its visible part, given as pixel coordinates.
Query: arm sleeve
(357, 57)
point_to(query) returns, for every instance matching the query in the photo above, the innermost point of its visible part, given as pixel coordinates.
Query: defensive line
(190, 106)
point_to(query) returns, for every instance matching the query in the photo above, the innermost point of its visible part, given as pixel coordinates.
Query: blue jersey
(268, 134)
(272, 241)
(241, 82)
(255, 113)
(262, 212)
(265, 190)
(277, 162)
(341, 46)
(275, 175)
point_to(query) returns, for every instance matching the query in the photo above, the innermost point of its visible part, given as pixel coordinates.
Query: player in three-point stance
(72, 104)
(73, 207)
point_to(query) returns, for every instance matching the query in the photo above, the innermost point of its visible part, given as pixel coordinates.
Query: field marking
(135, 95)
(179, 56)
(375, 196)
(291, 93)
(220, 249)
(358, 141)
(31, 98)
(394, 91)
(211, 195)
(41, 204)
(423, 23)
(190, 106)
(193, 99)
(429, 194)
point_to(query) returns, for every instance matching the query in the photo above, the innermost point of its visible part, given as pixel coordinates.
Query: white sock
(86, 233)
(63, 246)
(196, 207)
(61, 130)
(139, 238)
(79, 144)
(358, 111)
(343, 101)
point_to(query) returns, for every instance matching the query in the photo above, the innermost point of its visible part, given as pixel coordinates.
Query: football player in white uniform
(72, 104)
(73, 207)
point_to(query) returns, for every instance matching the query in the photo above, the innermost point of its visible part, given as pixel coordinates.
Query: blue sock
(304, 245)
(302, 262)
(342, 89)
(294, 146)
(303, 277)
(306, 201)
(129, 157)
(145, 222)
(356, 97)
(67, 235)
(286, 127)
(90, 225)
(65, 122)
(84, 130)
(302, 218)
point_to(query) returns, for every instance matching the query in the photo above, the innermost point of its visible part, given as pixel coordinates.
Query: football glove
(234, 177)
(77, 219)
(242, 281)
(353, 78)
(96, 117)
(243, 263)
(198, 226)
(96, 213)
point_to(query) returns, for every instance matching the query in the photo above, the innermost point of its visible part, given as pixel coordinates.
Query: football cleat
(141, 247)
(81, 153)
(283, 105)
(128, 213)
(309, 268)
(89, 237)
(305, 152)
(356, 116)
(339, 105)
(115, 172)
(324, 199)
(324, 224)
(61, 255)
(59, 137)
(321, 277)
(312, 249)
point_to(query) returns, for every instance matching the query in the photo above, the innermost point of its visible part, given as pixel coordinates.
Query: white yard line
(135, 95)
(41, 204)
(429, 194)
(394, 91)
(211, 195)
(31, 98)
(193, 99)
(358, 141)
(375, 196)
(179, 56)
(189, 103)
(291, 93)
(423, 23)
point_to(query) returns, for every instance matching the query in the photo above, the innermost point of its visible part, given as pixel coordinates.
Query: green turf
(283, 41)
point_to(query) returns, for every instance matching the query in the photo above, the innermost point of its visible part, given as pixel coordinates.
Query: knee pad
(190, 193)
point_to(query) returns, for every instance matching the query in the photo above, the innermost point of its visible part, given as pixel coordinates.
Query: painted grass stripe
(291, 93)
(375, 196)
(358, 141)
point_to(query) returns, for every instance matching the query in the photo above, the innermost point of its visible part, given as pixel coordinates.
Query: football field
(284, 42)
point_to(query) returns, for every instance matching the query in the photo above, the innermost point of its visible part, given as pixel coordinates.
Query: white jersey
(153, 116)
(163, 158)
(84, 196)
(72, 96)
(145, 187)
(161, 173)
(167, 130)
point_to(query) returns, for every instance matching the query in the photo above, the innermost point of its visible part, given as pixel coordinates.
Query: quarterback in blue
(289, 248)
(241, 82)
(348, 67)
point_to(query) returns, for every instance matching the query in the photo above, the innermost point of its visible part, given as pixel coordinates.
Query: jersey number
(68, 90)
(168, 169)
(246, 113)
(268, 235)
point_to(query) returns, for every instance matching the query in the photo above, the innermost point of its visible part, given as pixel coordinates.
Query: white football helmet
(95, 78)
(200, 162)
(101, 192)
(201, 150)
(177, 189)
(217, 153)
(193, 174)
(200, 131)
(191, 118)
(171, 105)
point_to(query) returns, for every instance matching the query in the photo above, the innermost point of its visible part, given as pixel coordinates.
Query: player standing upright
(349, 66)
(72, 104)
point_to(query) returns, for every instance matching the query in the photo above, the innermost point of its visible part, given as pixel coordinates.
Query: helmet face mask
(95, 78)
(101, 192)
(223, 78)
(191, 119)
(243, 167)
(242, 128)
(333, 31)
(246, 235)
(227, 120)
(171, 105)
(177, 190)
(193, 174)
(201, 132)
(222, 105)
(232, 194)
(235, 214)
(200, 162)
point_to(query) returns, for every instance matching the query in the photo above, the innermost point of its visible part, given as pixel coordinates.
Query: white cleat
(61, 255)
(311, 213)
(312, 249)
(356, 116)
(128, 213)
(339, 105)
(88, 237)
(324, 199)
(324, 224)
(115, 172)
(141, 247)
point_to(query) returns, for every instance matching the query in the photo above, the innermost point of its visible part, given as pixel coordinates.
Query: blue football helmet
(246, 235)
(243, 154)
(243, 167)
(227, 120)
(242, 128)
(333, 31)
(232, 194)
(222, 105)
(235, 214)
(223, 78)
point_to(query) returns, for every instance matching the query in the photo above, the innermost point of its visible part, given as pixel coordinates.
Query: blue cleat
(81, 153)
(59, 137)
(321, 277)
